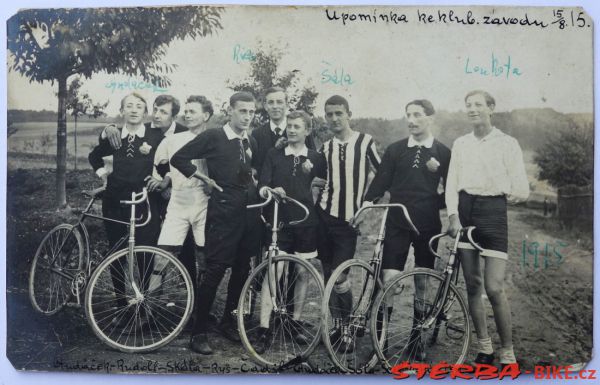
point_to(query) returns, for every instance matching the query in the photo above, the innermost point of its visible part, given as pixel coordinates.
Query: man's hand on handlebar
(455, 226)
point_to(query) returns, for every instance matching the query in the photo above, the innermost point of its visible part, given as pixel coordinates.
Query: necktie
(278, 131)
(130, 150)
(245, 151)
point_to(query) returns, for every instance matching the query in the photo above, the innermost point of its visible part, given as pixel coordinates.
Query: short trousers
(187, 208)
(301, 241)
(336, 239)
(397, 244)
(488, 215)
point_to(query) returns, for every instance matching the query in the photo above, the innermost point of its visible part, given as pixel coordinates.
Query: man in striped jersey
(350, 156)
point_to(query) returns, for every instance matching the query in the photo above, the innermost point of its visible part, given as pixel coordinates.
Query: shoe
(199, 344)
(484, 359)
(335, 332)
(262, 342)
(229, 330)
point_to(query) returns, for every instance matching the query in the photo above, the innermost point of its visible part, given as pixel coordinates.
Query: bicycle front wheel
(57, 261)
(345, 315)
(286, 332)
(417, 330)
(145, 320)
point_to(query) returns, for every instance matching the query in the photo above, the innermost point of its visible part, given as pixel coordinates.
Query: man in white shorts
(189, 198)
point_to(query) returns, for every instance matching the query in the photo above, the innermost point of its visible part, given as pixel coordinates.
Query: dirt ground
(551, 302)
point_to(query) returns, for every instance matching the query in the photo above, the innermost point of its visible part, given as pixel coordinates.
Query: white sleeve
(451, 191)
(519, 184)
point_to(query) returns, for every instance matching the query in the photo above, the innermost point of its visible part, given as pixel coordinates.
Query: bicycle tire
(131, 324)
(405, 332)
(280, 348)
(354, 352)
(48, 290)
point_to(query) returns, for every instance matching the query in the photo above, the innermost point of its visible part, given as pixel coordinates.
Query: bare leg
(474, 281)
(494, 288)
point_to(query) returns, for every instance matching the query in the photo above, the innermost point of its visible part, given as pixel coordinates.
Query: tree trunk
(61, 144)
(75, 142)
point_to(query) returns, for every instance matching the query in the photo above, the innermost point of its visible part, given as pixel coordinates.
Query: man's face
(133, 110)
(296, 130)
(241, 115)
(337, 117)
(477, 110)
(276, 105)
(162, 115)
(418, 121)
(193, 115)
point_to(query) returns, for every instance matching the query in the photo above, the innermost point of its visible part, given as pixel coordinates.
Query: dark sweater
(404, 173)
(266, 139)
(222, 158)
(130, 165)
(278, 171)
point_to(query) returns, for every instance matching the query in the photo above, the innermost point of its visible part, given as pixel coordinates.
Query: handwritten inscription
(133, 85)
(335, 75)
(241, 54)
(542, 255)
(558, 18)
(496, 68)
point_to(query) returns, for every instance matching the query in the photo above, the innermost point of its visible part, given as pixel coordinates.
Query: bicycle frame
(273, 250)
(135, 199)
(450, 274)
(375, 261)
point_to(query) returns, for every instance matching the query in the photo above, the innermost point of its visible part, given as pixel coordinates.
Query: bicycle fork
(131, 256)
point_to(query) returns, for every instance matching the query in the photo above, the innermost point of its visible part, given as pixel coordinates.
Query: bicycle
(417, 306)
(136, 300)
(269, 321)
(346, 331)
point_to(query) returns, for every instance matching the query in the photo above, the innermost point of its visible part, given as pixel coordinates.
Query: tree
(567, 157)
(79, 105)
(53, 45)
(264, 73)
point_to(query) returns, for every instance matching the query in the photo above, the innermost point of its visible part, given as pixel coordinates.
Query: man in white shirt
(486, 170)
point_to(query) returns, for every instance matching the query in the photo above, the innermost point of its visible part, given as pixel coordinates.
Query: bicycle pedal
(170, 304)
(73, 304)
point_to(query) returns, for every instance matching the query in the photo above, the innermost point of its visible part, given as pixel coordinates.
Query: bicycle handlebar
(469, 233)
(137, 198)
(288, 199)
(387, 205)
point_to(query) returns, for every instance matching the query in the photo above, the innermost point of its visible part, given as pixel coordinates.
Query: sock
(485, 345)
(507, 355)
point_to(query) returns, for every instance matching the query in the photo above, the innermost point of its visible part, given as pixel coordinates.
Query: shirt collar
(231, 135)
(350, 138)
(282, 126)
(170, 130)
(140, 133)
(289, 151)
(495, 133)
(412, 142)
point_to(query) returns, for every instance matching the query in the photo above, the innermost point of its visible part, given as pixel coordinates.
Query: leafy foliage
(265, 72)
(567, 157)
(50, 44)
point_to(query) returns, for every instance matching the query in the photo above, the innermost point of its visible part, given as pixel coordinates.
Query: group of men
(212, 174)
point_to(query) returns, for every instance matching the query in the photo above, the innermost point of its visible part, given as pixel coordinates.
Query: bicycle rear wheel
(57, 261)
(290, 333)
(145, 322)
(345, 316)
(413, 334)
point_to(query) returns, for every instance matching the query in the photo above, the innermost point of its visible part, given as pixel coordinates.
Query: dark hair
(161, 100)
(337, 100)
(299, 114)
(242, 96)
(136, 95)
(206, 104)
(272, 90)
(489, 99)
(426, 104)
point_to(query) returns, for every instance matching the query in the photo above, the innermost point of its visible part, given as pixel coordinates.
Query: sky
(384, 66)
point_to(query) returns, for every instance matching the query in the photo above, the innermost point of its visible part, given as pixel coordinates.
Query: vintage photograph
(302, 190)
